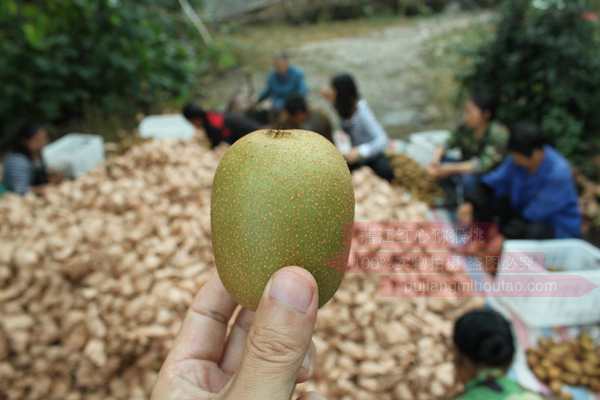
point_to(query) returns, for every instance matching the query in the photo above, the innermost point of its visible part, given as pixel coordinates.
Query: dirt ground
(387, 57)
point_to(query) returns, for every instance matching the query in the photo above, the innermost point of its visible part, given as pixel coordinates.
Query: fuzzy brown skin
(281, 198)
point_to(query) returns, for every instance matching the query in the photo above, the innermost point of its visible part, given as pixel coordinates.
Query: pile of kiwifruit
(414, 178)
(573, 362)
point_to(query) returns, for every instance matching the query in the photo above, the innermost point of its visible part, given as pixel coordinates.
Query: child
(486, 348)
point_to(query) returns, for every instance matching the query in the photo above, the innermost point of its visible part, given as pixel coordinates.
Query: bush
(543, 64)
(61, 58)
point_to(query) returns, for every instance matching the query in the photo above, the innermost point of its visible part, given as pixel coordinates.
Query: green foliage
(60, 58)
(543, 64)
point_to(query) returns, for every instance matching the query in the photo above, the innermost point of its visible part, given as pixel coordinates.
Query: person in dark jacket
(24, 166)
(219, 127)
(298, 115)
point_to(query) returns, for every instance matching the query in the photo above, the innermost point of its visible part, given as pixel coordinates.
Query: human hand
(327, 93)
(432, 169)
(353, 156)
(464, 214)
(438, 155)
(440, 171)
(265, 355)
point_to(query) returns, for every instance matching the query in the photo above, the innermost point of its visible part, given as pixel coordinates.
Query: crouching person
(227, 127)
(532, 194)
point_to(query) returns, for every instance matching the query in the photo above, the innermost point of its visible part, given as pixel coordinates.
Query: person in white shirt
(367, 136)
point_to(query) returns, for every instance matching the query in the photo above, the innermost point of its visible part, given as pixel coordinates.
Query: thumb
(279, 338)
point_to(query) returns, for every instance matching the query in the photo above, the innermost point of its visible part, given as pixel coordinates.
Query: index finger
(203, 332)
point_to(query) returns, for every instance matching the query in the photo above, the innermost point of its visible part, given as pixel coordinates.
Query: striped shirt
(18, 173)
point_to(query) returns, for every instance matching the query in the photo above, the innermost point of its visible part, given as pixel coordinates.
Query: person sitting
(479, 145)
(532, 194)
(367, 136)
(219, 127)
(297, 115)
(485, 348)
(24, 166)
(283, 81)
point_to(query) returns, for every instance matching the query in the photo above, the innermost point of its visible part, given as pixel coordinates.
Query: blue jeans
(459, 185)
(468, 182)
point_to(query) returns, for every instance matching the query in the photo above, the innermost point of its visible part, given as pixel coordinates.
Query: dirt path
(386, 62)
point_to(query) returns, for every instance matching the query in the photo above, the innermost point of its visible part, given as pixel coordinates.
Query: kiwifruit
(281, 198)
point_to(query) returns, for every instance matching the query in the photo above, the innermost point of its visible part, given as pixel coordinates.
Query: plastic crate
(75, 154)
(574, 265)
(170, 126)
(431, 138)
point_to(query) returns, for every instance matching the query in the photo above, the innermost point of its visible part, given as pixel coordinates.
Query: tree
(58, 58)
(543, 64)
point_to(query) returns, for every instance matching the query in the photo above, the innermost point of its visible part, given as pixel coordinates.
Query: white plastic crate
(170, 126)
(574, 265)
(75, 154)
(421, 152)
(432, 138)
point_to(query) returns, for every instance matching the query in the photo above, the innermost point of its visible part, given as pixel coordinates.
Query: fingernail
(292, 289)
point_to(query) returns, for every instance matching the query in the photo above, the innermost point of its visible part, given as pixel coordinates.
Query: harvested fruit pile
(589, 199)
(412, 268)
(378, 201)
(96, 275)
(574, 362)
(414, 178)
